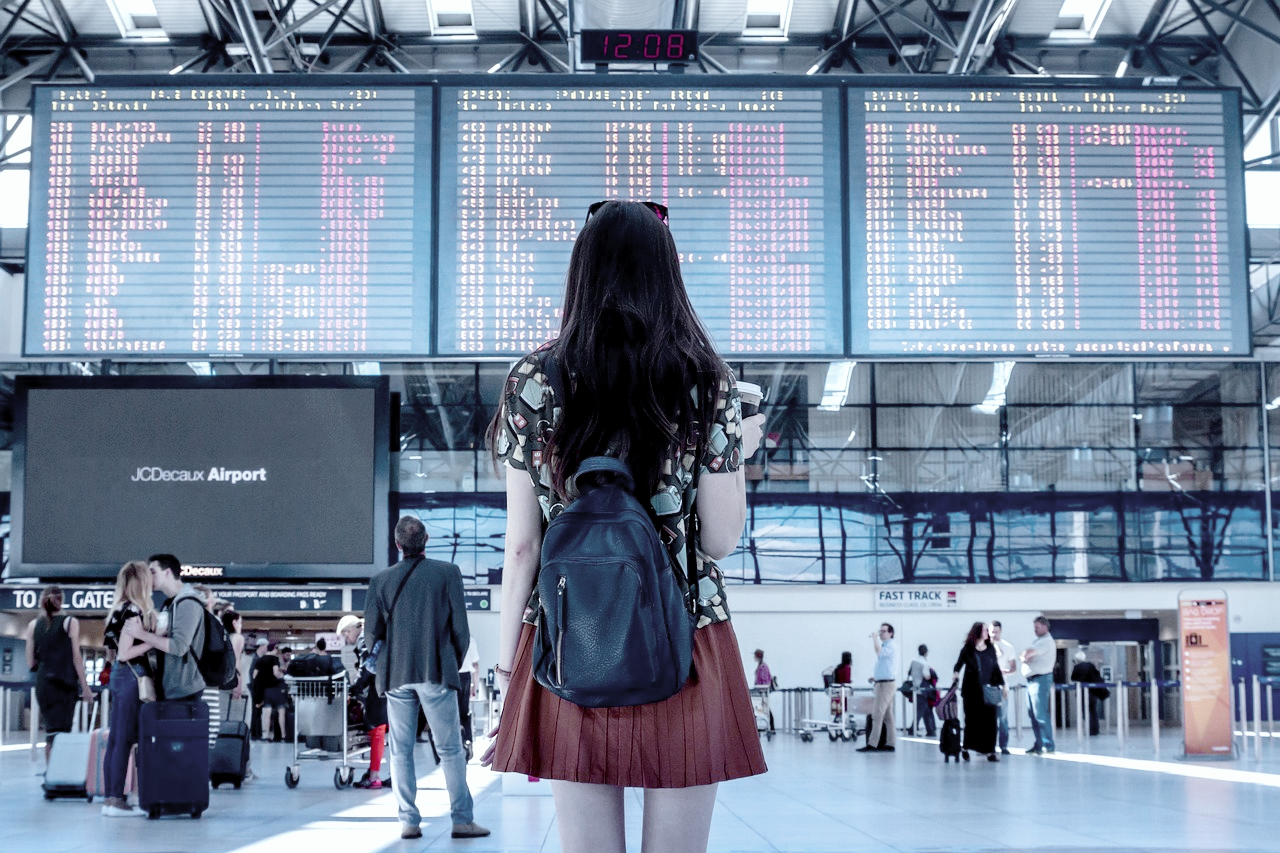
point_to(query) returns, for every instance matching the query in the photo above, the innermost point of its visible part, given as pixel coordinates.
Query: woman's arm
(73, 631)
(30, 637)
(722, 498)
(519, 564)
(129, 647)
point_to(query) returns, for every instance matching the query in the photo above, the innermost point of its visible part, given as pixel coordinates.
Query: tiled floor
(818, 796)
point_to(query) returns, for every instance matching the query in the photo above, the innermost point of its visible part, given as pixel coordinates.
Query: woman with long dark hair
(131, 663)
(641, 381)
(53, 654)
(978, 660)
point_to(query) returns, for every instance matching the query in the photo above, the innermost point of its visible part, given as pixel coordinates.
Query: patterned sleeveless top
(528, 416)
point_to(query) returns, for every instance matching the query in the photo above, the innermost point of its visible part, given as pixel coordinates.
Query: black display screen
(818, 218)
(751, 177)
(1047, 222)
(248, 477)
(229, 220)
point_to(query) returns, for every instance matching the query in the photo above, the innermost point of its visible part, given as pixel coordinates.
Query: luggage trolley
(843, 724)
(320, 711)
(760, 705)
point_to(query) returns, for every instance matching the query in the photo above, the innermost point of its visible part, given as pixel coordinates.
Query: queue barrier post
(1257, 719)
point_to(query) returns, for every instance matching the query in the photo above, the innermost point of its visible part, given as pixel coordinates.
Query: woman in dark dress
(978, 660)
(53, 654)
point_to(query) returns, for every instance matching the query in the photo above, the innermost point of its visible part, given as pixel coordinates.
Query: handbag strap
(390, 610)
(610, 464)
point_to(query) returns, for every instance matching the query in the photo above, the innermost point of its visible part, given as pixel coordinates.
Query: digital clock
(600, 46)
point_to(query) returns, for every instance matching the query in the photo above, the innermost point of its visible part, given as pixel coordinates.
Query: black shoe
(867, 748)
(1035, 750)
(964, 753)
(887, 749)
(1004, 750)
(993, 757)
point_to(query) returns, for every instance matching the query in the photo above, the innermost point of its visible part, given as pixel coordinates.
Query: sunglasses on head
(660, 210)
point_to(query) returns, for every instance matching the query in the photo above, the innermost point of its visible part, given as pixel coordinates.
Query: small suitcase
(173, 758)
(949, 741)
(229, 758)
(68, 772)
(96, 783)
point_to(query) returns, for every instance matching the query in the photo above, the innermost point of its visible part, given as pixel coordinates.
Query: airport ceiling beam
(247, 28)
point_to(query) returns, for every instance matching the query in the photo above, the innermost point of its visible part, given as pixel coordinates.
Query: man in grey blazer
(416, 609)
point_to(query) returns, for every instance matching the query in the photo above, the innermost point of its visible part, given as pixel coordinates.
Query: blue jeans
(1038, 689)
(440, 704)
(1002, 723)
(124, 728)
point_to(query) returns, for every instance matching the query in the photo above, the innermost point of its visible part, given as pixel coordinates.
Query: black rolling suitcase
(173, 758)
(949, 738)
(229, 756)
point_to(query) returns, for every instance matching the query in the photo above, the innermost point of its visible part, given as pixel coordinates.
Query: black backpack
(614, 628)
(217, 657)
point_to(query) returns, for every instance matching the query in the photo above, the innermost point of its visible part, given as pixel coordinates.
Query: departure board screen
(276, 219)
(1047, 222)
(751, 176)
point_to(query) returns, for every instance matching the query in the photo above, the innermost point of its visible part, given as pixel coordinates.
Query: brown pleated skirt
(705, 733)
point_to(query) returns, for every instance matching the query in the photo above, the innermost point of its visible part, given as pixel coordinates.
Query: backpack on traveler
(614, 628)
(216, 658)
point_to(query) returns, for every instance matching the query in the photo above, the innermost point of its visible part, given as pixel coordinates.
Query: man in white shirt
(1037, 666)
(886, 673)
(1007, 660)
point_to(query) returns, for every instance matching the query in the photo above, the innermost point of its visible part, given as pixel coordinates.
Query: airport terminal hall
(667, 426)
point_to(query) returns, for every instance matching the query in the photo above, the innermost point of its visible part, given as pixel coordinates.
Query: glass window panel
(803, 382)
(934, 384)
(936, 426)
(1070, 426)
(1080, 469)
(937, 471)
(1187, 382)
(1071, 384)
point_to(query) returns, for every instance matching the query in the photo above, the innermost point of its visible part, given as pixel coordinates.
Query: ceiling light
(993, 402)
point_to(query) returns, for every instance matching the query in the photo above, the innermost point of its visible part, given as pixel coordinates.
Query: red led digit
(652, 46)
(675, 46)
(624, 44)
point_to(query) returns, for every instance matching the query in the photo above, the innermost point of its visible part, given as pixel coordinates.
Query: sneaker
(469, 830)
(122, 811)
(368, 784)
(407, 831)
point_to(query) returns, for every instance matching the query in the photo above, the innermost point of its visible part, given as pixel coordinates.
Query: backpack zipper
(560, 584)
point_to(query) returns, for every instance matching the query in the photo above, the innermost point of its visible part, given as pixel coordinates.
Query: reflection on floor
(818, 796)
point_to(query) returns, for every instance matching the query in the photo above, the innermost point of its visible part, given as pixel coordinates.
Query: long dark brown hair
(630, 351)
(975, 634)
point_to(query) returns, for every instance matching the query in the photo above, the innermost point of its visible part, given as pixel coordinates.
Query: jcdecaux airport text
(216, 474)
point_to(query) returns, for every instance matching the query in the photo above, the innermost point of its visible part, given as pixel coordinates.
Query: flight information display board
(1047, 222)
(751, 176)
(275, 219)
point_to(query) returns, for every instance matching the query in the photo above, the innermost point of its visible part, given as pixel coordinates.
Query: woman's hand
(752, 434)
(486, 760)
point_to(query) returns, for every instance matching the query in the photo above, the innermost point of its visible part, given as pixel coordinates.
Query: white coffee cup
(751, 395)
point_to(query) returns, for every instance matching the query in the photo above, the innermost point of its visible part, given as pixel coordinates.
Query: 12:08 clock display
(639, 45)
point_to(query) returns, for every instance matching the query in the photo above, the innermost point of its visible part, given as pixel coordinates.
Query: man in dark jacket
(416, 608)
(1084, 671)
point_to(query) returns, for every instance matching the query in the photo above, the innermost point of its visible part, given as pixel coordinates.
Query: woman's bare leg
(677, 820)
(590, 817)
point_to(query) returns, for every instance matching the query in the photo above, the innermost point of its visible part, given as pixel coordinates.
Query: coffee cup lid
(750, 388)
